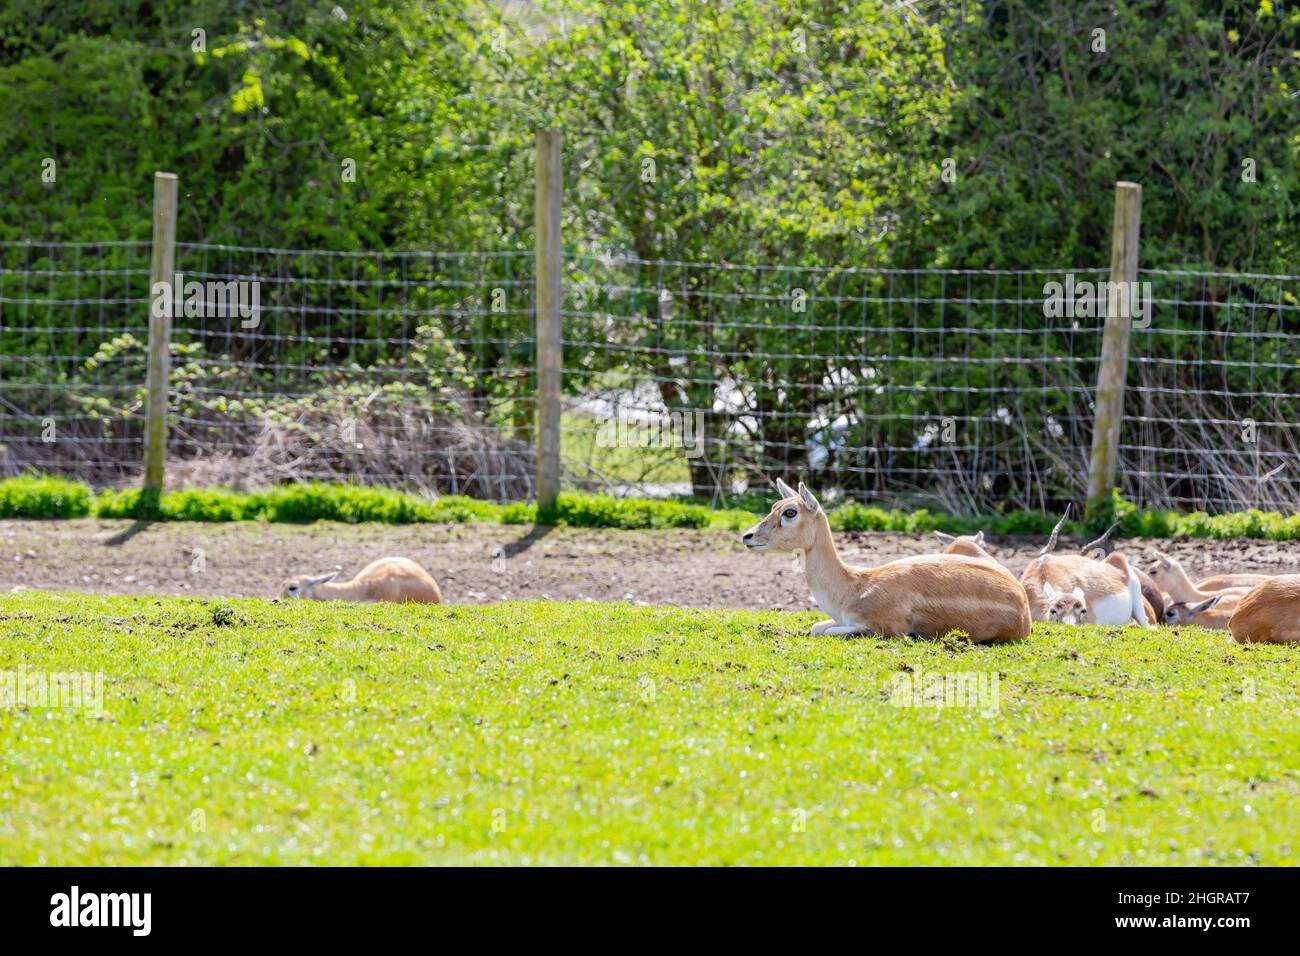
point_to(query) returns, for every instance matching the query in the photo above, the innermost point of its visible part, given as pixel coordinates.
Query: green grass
(249, 732)
(39, 496)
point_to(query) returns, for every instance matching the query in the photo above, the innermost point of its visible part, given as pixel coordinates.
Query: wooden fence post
(1112, 370)
(550, 355)
(162, 268)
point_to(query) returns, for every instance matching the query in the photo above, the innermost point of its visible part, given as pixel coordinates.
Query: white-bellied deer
(400, 580)
(1111, 590)
(1269, 613)
(1151, 594)
(926, 596)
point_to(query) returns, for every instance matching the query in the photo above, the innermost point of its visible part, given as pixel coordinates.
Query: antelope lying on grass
(1151, 594)
(1112, 592)
(1269, 613)
(926, 596)
(1190, 604)
(1212, 614)
(971, 545)
(1168, 573)
(389, 579)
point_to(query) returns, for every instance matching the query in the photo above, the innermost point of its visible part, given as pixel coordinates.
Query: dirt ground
(480, 563)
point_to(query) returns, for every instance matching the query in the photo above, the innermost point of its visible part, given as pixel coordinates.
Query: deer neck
(334, 591)
(1188, 592)
(823, 569)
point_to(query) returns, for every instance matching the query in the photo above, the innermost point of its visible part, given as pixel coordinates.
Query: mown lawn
(250, 732)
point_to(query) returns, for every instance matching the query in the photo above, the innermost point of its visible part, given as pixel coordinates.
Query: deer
(1103, 549)
(1212, 614)
(927, 595)
(400, 580)
(1112, 592)
(971, 545)
(1269, 613)
(1168, 573)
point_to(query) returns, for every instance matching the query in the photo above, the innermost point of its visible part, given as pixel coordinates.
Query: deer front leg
(840, 630)
(822, 627)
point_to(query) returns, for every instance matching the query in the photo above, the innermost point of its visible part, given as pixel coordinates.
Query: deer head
(791, 525)
(1182, 613)
(304, 585)
(1065, 607)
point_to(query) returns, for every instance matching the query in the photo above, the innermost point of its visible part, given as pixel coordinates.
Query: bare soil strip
(482, 562)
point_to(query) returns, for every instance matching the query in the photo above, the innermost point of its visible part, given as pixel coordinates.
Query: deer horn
(1103, 543)
(1051, 542)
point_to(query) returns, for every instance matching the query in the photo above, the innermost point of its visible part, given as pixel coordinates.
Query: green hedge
(43, 496)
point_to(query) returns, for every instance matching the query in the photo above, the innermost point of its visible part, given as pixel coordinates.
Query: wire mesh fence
(959, 389)
(412, 369)
(950, 385)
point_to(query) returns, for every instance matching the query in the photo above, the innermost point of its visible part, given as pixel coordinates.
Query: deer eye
(789, 513)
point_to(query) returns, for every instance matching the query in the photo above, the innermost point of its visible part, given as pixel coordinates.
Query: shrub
(43, 496)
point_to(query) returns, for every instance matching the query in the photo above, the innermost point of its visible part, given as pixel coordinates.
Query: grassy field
(250, 732)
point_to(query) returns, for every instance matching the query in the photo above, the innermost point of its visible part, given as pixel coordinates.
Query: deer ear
(979, 537)
(809, 500)
(784, 490)
(944, 538)
(1048, 590)
(323, 579)
(1206, 605)
(1078, 592)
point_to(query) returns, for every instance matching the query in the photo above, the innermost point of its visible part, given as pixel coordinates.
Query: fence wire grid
(951, 388)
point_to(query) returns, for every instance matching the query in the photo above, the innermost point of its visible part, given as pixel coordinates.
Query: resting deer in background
(1111, 590)
(1269, 613)
(927, 596)
(1151, 594)
(971, 545)
(389, 579)
(1169, 575)
(1212, 614)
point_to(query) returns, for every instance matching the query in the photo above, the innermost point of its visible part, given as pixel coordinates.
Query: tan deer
(971, 545)
(925, 596)
(1269, 613)
(400, 580)
(1168, 573)
(1112, 592)
(1213, 613)
(1064, 607)
(1170, 577)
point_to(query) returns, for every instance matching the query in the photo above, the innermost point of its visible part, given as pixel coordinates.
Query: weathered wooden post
(550, 355)
(162, 269)
(1113, 367)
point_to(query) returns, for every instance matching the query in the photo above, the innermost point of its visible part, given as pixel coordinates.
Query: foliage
(44, 496)
(31, 496)
(812, 137)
